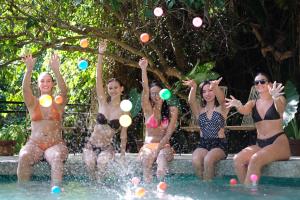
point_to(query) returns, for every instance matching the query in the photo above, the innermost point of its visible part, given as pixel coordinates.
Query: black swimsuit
(114, 124)
(271, 114)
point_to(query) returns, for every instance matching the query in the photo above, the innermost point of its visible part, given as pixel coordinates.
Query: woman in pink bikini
(267, 112)
(46, 123)
(160, 124)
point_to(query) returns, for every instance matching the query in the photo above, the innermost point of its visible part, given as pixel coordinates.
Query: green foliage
(292, 129)
(15, 132)
(292, 101)
(135, 98)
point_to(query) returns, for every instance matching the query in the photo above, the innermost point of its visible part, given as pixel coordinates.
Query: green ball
(165, 94)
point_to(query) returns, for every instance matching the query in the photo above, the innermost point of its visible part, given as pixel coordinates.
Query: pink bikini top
(153, 123)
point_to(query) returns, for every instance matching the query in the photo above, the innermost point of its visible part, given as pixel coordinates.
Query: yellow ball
(45, 100)
(140, 192)
(125, 120)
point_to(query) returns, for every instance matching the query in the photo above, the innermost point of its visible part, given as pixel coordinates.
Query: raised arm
(243, 109)
(214, 85)
(171, 127)
(143, 63)
(26, 85)
(276, 91)
(99, 82)
(192, 97)
(55, 65)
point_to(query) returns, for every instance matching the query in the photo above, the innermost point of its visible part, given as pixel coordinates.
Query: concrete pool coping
(182, 164)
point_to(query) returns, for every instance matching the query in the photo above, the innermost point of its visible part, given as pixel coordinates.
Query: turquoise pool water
(179, 187)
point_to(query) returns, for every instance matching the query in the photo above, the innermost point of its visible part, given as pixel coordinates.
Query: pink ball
(233, 181)
(197, 21)
(158, 11)
(135, 180)
(253, 177)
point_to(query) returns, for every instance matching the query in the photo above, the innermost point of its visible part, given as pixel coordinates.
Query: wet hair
(46, 73)
(265, 74)
(116, 80)
(165, 110)
(203, 102)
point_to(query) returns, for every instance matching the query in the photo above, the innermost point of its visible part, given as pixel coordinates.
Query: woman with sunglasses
(211, 114)
(267, 111)
(161, 122)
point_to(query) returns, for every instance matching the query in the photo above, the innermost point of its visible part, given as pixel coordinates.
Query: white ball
(126, 105)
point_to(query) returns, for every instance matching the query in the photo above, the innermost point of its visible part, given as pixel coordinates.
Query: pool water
(185, 187)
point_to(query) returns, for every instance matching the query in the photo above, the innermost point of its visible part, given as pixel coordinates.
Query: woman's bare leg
(197, 161)
(211, 158)
(89, 158)
(165, 155)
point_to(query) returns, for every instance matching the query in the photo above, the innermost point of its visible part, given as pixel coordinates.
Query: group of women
(46, 141)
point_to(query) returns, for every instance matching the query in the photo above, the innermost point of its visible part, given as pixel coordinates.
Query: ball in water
(254, 178)
(197, 21)
(162, 186)
(126, 105)
(165, 94)
(125, 120)
(55, 190)
(140, 192)
(135, 181)
(233, 181)
(158, 11)
(84, 43)
(144, 37)
(58, 99)
(45, 100)
(83, 64)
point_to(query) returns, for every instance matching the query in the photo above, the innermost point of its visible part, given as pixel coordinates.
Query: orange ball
(58, 99)
(140, 192)
(45, 100)
(84, 43)
(162, 186)
(144, 37)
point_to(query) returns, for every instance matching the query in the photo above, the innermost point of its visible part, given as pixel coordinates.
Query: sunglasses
(260, 82)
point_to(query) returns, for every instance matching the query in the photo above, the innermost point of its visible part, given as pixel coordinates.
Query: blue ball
(83, 64)
(55, 190)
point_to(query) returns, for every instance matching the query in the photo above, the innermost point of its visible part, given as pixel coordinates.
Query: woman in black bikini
(99, 149)
(272, 144)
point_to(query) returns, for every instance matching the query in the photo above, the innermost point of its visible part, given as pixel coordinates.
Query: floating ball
(125, 120)
(233, 181)
(162, 186)
(197, 21)
(158, 11)
(55, 190)
(59, 99)
(144, 37)
(135, 181)
(165, 94)
(126, 105)
(254, 178)
(45, 100)
(83, 64)
(140, 192)
(84, 43)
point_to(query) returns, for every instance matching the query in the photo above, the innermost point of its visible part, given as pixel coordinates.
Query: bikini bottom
(211, 143)
(265, 142)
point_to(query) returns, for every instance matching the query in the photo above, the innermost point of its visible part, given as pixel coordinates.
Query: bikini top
(153, 123)
(114, 124)
(37, 114)
(271, 114)
(211, 127)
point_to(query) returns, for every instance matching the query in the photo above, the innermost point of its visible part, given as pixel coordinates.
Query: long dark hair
(203, 102)
(165, 111)
(265, 74)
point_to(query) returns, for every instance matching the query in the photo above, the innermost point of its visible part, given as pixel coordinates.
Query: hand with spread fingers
(29, 61)
(190, 82)
(215, 83)
(233, 102)
(54, 62)
(276, 90)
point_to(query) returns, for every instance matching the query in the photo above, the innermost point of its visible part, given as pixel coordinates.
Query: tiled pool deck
(180, 165)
